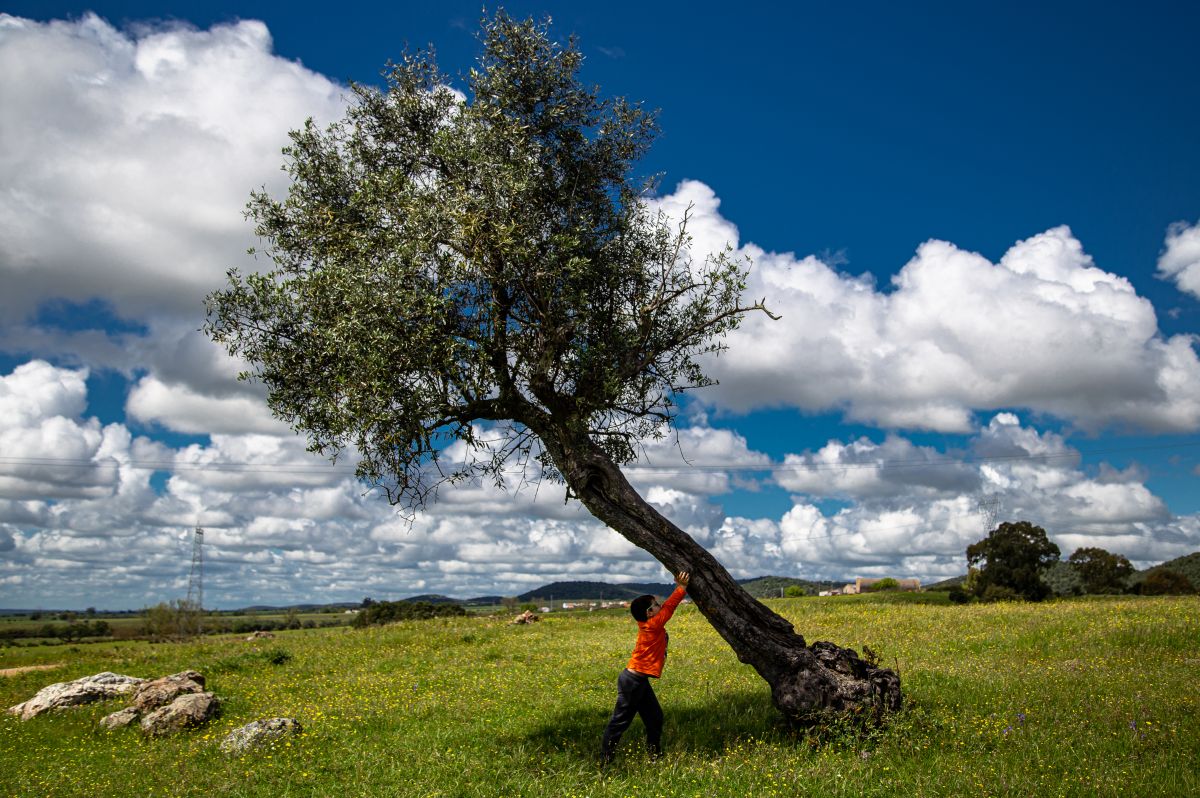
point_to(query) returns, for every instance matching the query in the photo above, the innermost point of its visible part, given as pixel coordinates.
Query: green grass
(1083, 697)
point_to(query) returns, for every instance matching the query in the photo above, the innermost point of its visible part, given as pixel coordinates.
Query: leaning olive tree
(448, 270)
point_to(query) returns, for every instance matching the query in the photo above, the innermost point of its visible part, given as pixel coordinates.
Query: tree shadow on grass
(707, 726)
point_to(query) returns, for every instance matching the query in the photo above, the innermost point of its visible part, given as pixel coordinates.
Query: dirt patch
(27, 668)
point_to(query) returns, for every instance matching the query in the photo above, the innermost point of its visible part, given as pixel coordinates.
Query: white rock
(99, 687)
(258, 732)
(119, 719)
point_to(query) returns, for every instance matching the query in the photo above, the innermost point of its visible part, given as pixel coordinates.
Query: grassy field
(1084, 697)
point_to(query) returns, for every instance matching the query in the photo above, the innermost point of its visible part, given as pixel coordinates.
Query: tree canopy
(1165, 582)
(1012, 557)
(1101, 571)
(446, 264)
(481, 273)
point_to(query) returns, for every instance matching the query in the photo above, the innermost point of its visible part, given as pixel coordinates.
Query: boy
(635, 696)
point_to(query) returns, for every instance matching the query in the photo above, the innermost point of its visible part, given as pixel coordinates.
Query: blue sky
(981, 226)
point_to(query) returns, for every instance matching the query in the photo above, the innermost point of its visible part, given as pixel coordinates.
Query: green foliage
(247, 661)
(995, 592)
(444, 266)
(795, 591)
(174, 620)
(1012, 557)
(958, 596)
(883, 585)
(1165, 582)
(1101, 571)
(277, 656)
(381, 612)
(1062, 579)
(972, 583)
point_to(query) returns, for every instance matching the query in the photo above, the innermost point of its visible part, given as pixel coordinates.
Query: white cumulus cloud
(1180, 259)
(1043, 329)
(179, 408)
(127, 157)
(46, 450)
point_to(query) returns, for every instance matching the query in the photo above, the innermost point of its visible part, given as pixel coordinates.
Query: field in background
(1082, 697)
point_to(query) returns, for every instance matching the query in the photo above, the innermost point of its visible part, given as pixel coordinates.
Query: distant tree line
(380, 612)
(176, 620)
(1015, 562)
(66, 632)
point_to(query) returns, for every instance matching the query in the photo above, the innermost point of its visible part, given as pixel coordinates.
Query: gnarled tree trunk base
(824, 678)
(808, 683)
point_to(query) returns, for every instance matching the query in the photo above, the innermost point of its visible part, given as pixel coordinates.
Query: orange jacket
(650, 650)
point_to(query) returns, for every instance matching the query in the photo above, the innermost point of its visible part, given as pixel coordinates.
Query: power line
(168, 465)
(882, 465)
(916, 463)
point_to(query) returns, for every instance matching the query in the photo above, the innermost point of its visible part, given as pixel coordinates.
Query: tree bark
(806, 680)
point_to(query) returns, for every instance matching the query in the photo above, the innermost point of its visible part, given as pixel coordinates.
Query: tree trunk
(805, 680)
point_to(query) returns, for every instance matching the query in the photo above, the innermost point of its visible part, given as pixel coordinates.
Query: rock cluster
(168, 704)
(525, 617)
(164, 705)
(99, 687)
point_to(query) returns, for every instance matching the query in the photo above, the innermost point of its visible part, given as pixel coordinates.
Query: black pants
(635, 696)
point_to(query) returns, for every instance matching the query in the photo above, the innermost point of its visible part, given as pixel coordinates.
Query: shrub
(994, 593)
(1165, 582)
(277, 656)
(172, 620)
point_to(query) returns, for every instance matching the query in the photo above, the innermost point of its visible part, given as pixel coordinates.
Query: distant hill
(483, 601)
(1188, 565)
(773, 586)
(432, 598)
(574, 591)
(759, 587)
(946, 584)
(264, 608)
